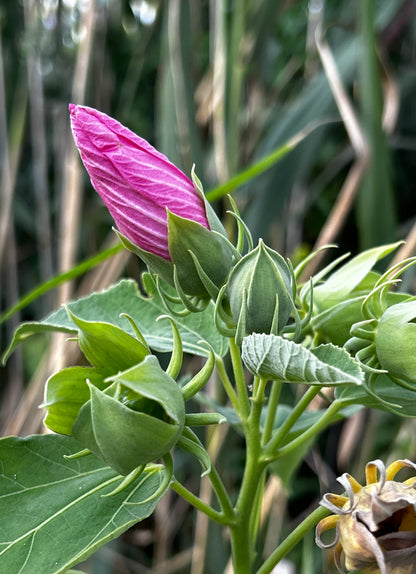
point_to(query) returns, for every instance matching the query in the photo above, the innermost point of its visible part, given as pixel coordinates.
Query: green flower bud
(190, 242)
(107, 347)
(261, 292)
(338, 300)
(396, 340)
(138, 418)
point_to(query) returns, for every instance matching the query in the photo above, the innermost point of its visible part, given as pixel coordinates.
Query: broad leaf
(125, 298)
(53, 511)
(279, 359)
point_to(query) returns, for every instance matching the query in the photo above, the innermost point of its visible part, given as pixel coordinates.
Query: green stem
(319, 426)
(243, 532)
(240, 381)
(226, 382)
(271, 411)
(273, 444)
(222, 495)
(376, 193)
(292, 539)
(259, 388)
(198, 504)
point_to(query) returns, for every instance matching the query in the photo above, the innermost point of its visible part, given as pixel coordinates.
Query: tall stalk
(376, 194)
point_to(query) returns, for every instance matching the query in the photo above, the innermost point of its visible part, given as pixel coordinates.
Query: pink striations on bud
(137, 183)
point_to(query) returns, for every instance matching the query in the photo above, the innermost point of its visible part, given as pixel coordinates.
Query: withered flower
(375, 524)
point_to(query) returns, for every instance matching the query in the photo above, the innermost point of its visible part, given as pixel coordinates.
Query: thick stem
(242, 543)
(242, 539)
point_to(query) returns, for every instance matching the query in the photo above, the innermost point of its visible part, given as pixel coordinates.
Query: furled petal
(136, 182)
(376, 527)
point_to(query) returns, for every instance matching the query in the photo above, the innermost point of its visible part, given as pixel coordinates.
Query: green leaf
(279, 359)
(263, 164)
(341, 283)
(53, 511)
(66, 392)
(59, 279)
(124, 297)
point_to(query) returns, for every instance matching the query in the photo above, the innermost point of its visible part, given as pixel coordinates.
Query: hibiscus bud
(135, 420)
(260, 292)
(396, 341)
(375, 524)
(140, 186)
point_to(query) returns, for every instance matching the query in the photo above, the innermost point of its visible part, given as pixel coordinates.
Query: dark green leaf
(53, 511)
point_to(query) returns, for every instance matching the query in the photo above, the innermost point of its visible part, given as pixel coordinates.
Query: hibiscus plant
(261, 329)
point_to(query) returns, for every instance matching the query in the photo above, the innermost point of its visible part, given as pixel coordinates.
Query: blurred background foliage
(221, 84)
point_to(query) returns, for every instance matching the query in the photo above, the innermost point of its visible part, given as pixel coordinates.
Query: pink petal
(136, 182)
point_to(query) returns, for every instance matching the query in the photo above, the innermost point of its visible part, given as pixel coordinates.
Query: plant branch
(240, 382)
(292, 539)
(271, 411)
(273, 444)
(190, 497)
(320, 425)
(226, 382)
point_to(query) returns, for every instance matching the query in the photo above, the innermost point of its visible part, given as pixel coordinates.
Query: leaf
(124, 297)
(341, 283)
(59, 279)
(279, 359)
(53, 511)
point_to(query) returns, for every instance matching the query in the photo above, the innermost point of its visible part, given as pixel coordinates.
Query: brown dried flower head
(376, 523)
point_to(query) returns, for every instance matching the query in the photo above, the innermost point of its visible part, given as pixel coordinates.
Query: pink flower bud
(137, 183)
